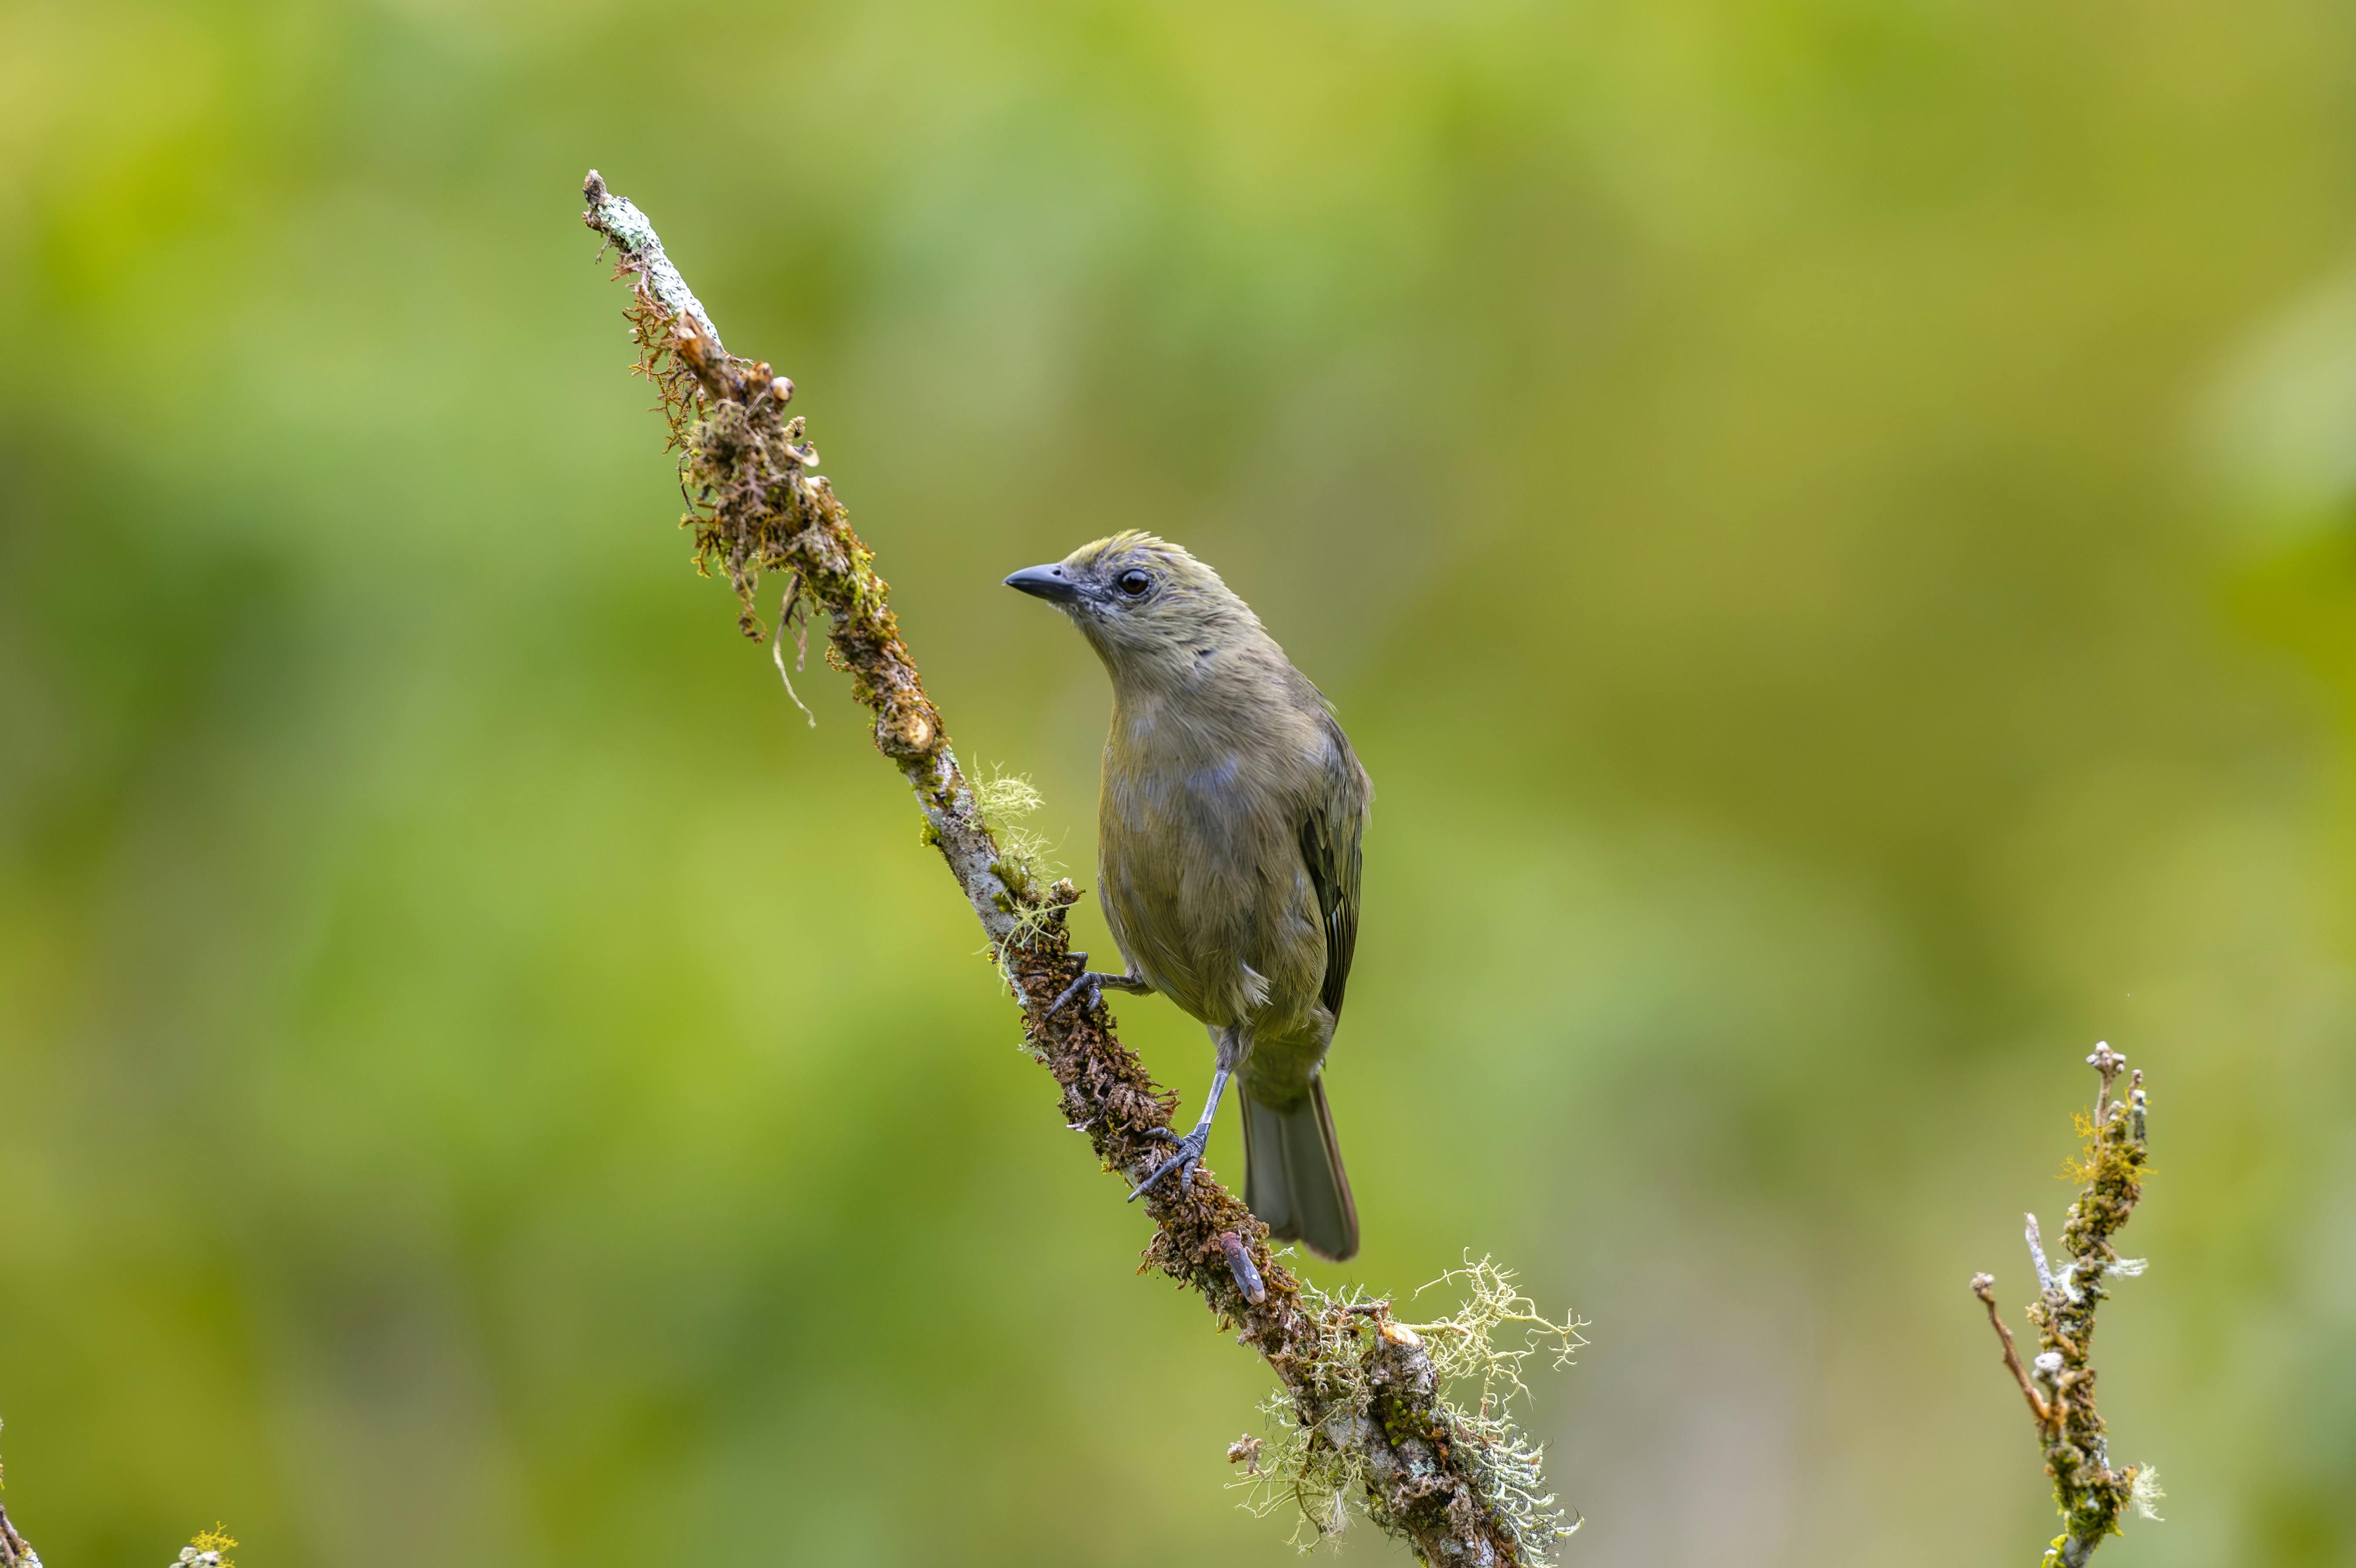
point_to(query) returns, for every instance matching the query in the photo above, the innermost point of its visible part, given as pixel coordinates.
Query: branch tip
(2037, 1255)
(1984, 1287)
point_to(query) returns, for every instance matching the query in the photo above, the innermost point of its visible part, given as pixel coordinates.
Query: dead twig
(1984, 1287)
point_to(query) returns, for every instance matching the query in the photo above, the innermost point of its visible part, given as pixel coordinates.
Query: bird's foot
(1189, 1155)
(1092, 982)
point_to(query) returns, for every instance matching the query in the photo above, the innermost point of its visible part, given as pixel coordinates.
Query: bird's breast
(1200, 868)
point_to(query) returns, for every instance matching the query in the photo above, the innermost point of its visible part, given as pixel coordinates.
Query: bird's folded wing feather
(1330, 832)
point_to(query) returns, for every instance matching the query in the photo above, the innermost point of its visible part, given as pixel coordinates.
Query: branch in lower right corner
(2058, 1383)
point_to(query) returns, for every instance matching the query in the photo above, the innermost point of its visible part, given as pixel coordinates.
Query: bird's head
(1145, 604)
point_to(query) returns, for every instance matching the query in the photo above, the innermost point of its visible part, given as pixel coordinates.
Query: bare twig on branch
(1364, 1397)
(2059, 1386)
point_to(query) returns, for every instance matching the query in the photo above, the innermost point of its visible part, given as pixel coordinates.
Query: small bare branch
(1984, 1287)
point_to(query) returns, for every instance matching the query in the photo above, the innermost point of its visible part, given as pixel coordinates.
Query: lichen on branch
(1459, 1486)
(1313, 1464)
(2058, 1385)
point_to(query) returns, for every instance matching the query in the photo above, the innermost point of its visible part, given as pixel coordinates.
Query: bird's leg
(1190, 1146)
(1094, 981)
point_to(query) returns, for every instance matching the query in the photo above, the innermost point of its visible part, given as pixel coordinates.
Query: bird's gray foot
(1189, 1155)
(1093, 983)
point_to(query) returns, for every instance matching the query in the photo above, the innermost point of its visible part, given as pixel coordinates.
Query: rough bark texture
(2059, 1384)
(757, 506)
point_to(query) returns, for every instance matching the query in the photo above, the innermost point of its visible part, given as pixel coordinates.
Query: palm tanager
(1227, 848)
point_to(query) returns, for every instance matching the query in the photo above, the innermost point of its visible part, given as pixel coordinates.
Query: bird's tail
(1293, 1178)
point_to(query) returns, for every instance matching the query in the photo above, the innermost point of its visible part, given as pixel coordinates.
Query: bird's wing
(1330, 832)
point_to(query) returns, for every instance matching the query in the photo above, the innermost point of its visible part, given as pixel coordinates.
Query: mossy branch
(1361, 1392)
(2058, 1383)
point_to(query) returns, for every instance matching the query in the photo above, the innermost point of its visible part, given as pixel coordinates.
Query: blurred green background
(1832, 523)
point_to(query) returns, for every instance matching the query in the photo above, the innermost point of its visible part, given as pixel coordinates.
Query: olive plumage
(1228, 831)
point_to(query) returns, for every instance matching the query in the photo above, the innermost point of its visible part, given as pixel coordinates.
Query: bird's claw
(1093, 982)
(1189, 1155)
(1089, 981)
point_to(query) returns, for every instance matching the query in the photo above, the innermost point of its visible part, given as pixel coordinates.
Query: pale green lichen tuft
(1005, 800)
(1005, 794)
(1302, 1464)
(1023, 864)
(1311, 1463)
(1465, 1352)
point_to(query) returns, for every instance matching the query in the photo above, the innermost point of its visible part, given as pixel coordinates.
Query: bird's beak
(1047, 582)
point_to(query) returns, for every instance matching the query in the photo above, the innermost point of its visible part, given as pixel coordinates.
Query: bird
(1229, 826)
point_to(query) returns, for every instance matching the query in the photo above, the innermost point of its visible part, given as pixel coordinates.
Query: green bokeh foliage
(1828, 521)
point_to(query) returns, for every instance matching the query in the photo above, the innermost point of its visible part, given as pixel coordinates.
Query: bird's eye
(1133, 583)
